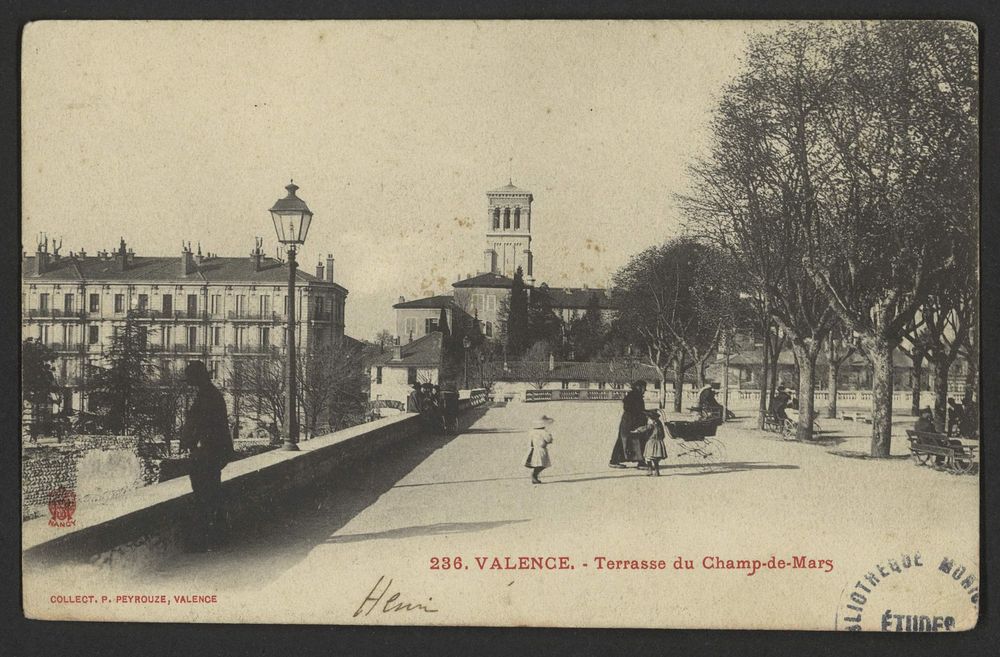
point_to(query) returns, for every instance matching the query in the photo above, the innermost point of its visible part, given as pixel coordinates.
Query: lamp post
(466, 343)
(291, 217)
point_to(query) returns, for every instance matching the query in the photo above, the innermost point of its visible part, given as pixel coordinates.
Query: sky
(163, 132)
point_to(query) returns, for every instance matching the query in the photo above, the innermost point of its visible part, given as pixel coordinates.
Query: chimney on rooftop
(121, 257)
(402, 299)
(329, 267)
(397, 352)
(319, 271)
(187, 259)
(42, 255)
(257, 255)
(198, 257)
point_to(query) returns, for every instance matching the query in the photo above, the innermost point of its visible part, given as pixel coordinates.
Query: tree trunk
(773, 375)
(678, 385)
(941, 367)
(880, 355)
(832, 370)
(807, 386)
(663, 386)
(762, 384)
(916, 382)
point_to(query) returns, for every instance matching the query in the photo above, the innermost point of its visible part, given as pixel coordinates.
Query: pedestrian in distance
(539, 440)
(206, 436)
(955, 416)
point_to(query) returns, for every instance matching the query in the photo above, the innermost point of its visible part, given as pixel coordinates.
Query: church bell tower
(508, 232)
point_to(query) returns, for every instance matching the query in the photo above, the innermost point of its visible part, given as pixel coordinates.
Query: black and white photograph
(566, 324)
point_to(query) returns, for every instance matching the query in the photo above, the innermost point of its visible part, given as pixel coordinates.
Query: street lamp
(466, 343)
(291, 218)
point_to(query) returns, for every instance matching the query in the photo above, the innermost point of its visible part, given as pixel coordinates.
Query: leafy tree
(516, 320)
(587, 334)
(38, 381)
(543, 323)
(124, 391)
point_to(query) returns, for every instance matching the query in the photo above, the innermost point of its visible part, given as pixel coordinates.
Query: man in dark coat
(633, 417)
(206, 436)
(414, 401)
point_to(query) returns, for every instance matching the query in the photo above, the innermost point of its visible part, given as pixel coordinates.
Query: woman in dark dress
(633, 417)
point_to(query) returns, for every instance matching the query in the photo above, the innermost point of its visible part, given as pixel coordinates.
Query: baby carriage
(695, 442)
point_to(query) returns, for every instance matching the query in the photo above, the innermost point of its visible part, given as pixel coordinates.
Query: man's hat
(707, 386)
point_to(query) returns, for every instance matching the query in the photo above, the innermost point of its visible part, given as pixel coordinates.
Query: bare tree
(856, 143)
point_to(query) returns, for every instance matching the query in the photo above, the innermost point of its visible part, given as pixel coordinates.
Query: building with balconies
(192, 307)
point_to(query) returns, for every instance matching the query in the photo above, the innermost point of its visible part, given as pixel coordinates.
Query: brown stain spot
(463, 222)
(548, 110)
(321, 36)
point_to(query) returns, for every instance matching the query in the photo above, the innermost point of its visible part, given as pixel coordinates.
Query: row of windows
(506, 218)
(216, 335)
(431, 325)
(167, 303)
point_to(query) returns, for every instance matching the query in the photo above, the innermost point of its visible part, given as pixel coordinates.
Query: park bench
(778, 425)
(940, 451)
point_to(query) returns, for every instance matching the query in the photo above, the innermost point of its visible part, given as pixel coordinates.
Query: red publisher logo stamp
(62, 506)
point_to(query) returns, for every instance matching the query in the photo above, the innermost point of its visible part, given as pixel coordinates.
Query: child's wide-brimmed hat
(542, 421)
(707, 386)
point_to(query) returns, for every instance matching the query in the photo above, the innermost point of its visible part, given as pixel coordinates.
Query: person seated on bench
(925, 421)
(925, 424)
(708, 406)
(780, 402)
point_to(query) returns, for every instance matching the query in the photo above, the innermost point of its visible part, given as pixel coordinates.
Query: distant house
(393, 372)
(420, 317)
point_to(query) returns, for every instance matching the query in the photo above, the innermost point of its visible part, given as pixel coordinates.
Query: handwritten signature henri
(392, 603)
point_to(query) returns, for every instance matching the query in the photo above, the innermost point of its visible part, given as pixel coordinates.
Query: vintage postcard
(652, 324)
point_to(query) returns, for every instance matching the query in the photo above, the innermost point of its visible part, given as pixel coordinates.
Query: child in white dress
(538, 450)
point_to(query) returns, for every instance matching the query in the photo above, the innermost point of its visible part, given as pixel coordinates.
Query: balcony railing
(149, 313)
(64, 347)
(189, 349)
(321, 316)
(258, 316)
(253, 349)
(57, 313)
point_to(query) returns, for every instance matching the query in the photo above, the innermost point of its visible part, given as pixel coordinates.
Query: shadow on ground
(260, 553)
(683, 470)
(424, 530)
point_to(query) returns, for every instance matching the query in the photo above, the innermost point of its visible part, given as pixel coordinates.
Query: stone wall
(96, 468)
(144, 526)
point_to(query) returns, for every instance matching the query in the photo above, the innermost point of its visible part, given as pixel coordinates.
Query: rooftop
(608, 371)
(422, 352)
(486, 280)
(439, 301)
(579, 297)
(509, 188)
(163, 268)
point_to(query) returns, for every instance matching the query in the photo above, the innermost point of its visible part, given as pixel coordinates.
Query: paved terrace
(468, 495)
